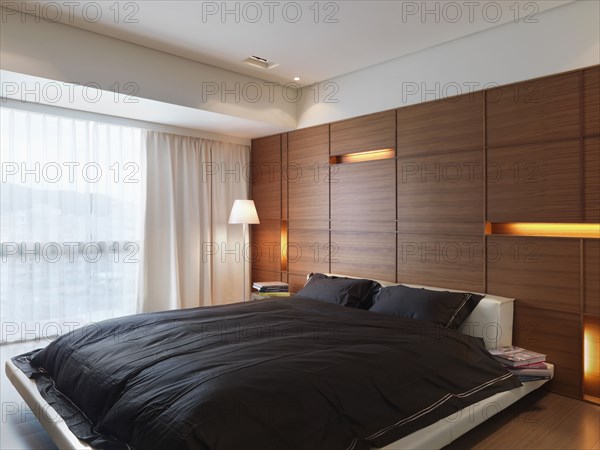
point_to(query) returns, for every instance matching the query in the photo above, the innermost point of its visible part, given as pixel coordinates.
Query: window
(71, 211)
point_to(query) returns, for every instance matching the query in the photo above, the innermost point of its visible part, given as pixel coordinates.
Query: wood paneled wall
(307, 175)
(267, 194)
(440, 193)
(525, 152)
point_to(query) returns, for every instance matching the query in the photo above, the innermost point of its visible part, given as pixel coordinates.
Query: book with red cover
(514, 356)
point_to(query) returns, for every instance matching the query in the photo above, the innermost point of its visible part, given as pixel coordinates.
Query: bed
(327, 412)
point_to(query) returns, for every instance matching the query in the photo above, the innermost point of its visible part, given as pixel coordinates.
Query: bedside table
(259, 296)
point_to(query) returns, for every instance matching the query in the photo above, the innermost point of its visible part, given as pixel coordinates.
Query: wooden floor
(539, 421)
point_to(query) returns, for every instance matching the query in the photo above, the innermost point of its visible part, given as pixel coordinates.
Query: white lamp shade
(244, 211)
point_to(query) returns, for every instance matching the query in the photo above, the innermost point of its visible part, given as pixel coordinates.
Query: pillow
(356, 293)
(449, 309)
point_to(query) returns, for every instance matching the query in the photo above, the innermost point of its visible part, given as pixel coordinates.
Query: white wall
(564, 38)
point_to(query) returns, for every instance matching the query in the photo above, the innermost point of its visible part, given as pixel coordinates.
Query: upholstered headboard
(491, 320)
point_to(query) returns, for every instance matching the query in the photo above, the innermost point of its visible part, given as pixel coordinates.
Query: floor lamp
(244, 212)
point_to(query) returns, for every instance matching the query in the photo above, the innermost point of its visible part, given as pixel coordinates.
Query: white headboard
(491, 320)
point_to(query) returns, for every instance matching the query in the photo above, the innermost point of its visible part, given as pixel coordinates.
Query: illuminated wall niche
(591, 358)
(568, 230)
(370, 155)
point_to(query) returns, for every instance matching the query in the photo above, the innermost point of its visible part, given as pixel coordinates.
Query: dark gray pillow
(356, 293)
(449, 309)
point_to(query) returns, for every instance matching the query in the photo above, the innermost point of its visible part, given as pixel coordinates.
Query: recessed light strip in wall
(591, 358)
(567, 230)
(370, 155)
(284, 245)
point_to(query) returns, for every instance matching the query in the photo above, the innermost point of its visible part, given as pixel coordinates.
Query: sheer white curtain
(70, 222)
(192, 257)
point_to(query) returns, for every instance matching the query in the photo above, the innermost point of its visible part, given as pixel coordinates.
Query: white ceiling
(345, 36)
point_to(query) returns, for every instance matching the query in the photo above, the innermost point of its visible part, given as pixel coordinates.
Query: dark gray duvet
(279, 374)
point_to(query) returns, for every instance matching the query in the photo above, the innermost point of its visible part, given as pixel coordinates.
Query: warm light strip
(284, 246)
(590, 353)
(371, 155)
(591, 357)
(569, 230)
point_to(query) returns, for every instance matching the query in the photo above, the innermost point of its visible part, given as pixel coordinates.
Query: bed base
(491, 320)
(435, 436)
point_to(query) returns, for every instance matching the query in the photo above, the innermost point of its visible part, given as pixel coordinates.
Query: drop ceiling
(315, 41)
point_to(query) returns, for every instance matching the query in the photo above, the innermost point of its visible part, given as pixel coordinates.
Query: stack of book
(272, 288)
(524, 364)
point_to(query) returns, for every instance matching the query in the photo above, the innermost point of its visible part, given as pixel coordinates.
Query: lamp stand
(243, 252)
(244, 212)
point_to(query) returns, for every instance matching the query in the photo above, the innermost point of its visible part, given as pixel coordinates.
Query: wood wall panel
(591, 101)
(369, 255)
(296, 282)
(364, 226)
(441, 188)
(591, 276)
(308, 251)
(266, 177)
(454, 262)
(308, 174)
(441, 228)
(284, 183)
(372, 132)
(557, 335)
(592, 180)
(266, 275)
(538, 272)
(535, 183)
(266, 245)
(309, 225)
(545, 109)
(266, 193)
(441, 126)
(364, 192)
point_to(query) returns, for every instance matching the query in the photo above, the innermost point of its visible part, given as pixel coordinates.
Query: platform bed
(491, 320)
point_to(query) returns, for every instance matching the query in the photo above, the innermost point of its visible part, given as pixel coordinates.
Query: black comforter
(273, 374)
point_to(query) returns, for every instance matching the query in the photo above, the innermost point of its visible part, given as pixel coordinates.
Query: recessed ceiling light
(296, 78)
